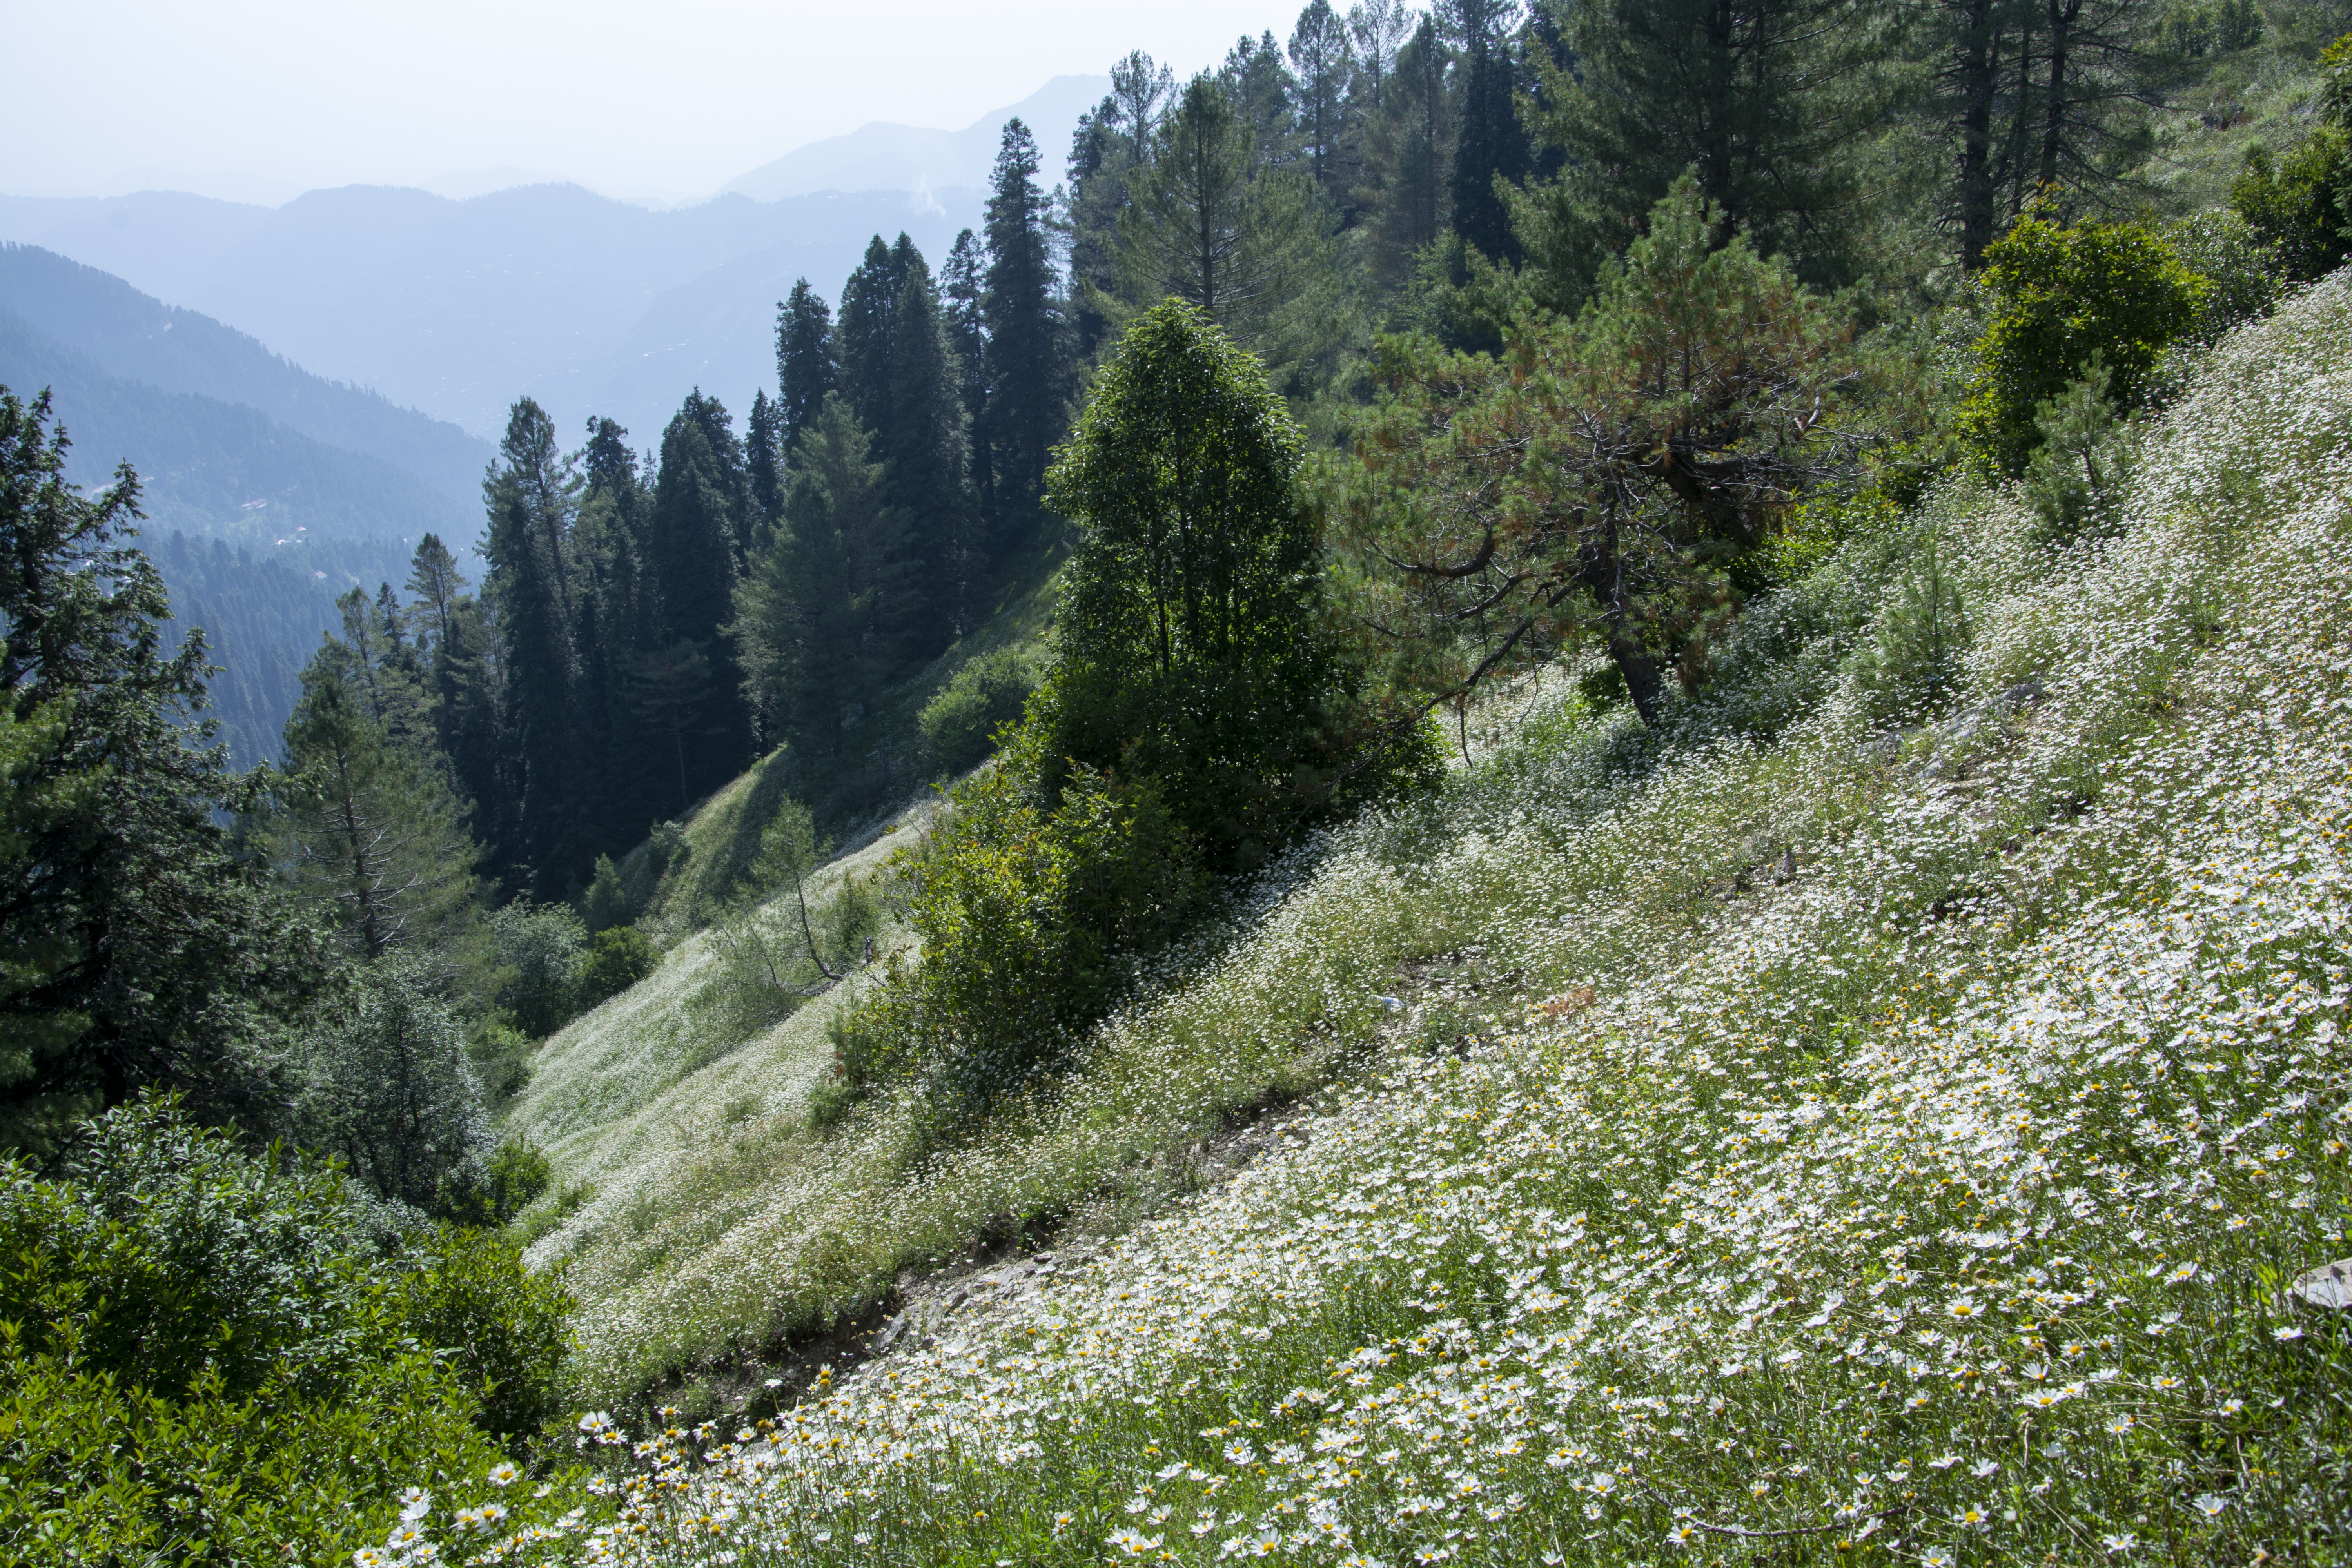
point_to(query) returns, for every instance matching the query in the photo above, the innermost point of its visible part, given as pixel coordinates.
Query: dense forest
(1414, 359)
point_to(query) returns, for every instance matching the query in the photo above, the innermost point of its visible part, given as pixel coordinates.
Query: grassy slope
(650, 1086)
(1936, 1202)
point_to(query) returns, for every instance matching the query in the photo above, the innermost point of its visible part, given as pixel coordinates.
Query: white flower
(1134, 1543)
(503, 1474)
(2211, 1506)
(2287, 1333)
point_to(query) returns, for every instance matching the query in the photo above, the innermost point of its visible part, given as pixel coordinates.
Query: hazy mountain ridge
(883, 156)
(593, 306)
(138, 338)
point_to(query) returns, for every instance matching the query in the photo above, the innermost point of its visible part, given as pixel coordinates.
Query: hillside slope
(1795, 1137)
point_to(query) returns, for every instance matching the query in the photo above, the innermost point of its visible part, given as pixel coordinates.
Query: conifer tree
(619, 621)
(693, 549)
(1490, 143)
(921, 567)
(139, 948)
(869, 315)
(802, 618)
(806, 367)
(764, 456)
(461, 683)
(1110, 146)
(1763, 100)
(1409, 157)
(364, 825)
(533, 495)
(963, 288)
(1027, 386)
(1214, 228)
(1322, 55)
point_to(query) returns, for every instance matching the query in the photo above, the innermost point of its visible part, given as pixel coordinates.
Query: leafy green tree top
(1187, 629)
(2064, 297)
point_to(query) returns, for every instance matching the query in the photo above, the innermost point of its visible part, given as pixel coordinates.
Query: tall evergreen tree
(534, 494)
(1111, 145)
(693, 551)
(1259, 85)
(619, 623)
(806, 364)
(462, 685)
(1491, 143)
(1763, 99)
(803, 618)
(364, 824)
(869, 317)
(137, 946)
(763, 455)
(1323, 56)
(962, 287)
(1027, 386)
(1215, 228)
(919, 578)
(1409, 156)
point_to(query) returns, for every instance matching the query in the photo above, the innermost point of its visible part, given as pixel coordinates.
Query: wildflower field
(1862, 1142)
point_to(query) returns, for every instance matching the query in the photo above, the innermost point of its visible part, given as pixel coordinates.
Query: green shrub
(205, 1359)
(959, 724)
(493, 1191)
(2301, 205)
(618, 957)
(2075, 480)
(501, 1058)
(2060, 299)
(541, 950)
(501, 1327)
(606, 903)
(1913, 667)
(394, 1091)
(2241, 270)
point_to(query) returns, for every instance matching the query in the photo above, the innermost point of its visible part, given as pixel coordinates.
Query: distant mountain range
(589, 305)
(880, 157)
(255, 510)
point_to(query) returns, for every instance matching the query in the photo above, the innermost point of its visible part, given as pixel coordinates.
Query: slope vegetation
(1801, 1138)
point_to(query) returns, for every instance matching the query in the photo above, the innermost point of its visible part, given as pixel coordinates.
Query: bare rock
(2329, 1287)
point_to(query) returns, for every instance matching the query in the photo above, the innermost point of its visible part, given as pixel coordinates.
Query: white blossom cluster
(1902, 1155)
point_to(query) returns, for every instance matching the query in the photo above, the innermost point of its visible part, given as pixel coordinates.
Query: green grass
(1930, 1206)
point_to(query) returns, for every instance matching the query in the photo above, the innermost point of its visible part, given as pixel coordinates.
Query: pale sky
(259, 100)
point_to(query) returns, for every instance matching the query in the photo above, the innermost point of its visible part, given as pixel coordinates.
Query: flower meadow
(1800, 1140)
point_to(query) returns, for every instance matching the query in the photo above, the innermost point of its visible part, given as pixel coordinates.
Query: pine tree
(802, 614)
(764, 456)
(919, 582)
(1259, 85)
(461, 683)
(619, 623)
(365, 826)
(693, 551)
(534, 494)
(1322, 53)
(1409, 157)
(1491, 143)
(1214, 228)
(1028, 393)
(137, 946)
(964, 286)
(869, 315)
(1763, 99)
(806, 367)
(1111, 145)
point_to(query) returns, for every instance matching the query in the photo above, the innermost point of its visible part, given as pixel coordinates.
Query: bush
(2060, 299)
(203, 1359)
(959, 723)
(1913, 667)
(617, 959)
(2074, 481)
(540, 957)
(606, 903)
(2301, 205)
(393, 1090)
(501, 1056)
(500, 1325)
(493, 1191)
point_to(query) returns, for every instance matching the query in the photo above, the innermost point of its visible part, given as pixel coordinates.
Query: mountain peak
(883, 156)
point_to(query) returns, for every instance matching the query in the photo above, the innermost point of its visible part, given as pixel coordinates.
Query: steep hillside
(1794, 1134)
(135, 337)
